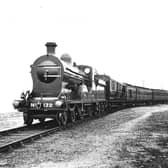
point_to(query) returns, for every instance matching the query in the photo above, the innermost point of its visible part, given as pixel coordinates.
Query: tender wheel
(102, 109)
(72, 116)
(98, 110)
(27, 119)
(90, 111)
(79, 113)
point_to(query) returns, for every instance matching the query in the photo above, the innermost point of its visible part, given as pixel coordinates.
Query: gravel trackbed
(134, 137)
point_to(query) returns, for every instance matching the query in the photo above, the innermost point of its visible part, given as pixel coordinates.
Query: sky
(127, 40)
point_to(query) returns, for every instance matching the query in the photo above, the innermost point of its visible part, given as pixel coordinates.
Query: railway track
(17, 137)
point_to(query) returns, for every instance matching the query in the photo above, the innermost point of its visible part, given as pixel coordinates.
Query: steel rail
(22, 139)
(21, 128)
(21, 136)
(27, 139)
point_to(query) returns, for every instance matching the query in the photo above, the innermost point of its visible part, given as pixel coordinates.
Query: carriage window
(112, 85)
(130, 93)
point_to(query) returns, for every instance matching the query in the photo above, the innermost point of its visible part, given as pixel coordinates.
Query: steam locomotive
(65, 91)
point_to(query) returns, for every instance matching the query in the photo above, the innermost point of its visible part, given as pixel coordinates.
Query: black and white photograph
(84, 84)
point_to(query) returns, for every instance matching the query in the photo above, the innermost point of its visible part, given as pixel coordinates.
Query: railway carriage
(144, 95)
(139, 95)
(160, 96)
(131, 93)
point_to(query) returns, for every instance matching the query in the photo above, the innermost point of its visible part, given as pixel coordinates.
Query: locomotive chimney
(51, 48)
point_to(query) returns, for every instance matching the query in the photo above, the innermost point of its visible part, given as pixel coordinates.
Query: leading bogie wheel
(27, 119)
(63, 118)
(57, 119)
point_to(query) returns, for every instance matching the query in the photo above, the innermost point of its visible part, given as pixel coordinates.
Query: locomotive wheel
(27, 119)
(98, 110)
(79, 111)
(63, 118)
(72, 116)
(57, 119)
(102, 111)
(90, 111)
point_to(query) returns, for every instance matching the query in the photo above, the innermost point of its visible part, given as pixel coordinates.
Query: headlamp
(16, 103)
(58, 103)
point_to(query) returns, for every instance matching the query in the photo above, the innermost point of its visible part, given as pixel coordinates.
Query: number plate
(39, 105)
(47, 105)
